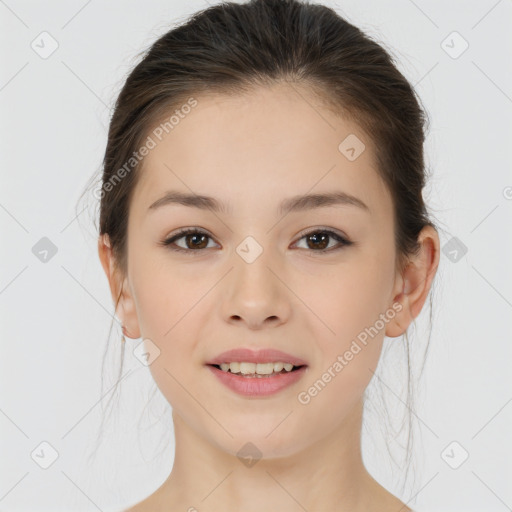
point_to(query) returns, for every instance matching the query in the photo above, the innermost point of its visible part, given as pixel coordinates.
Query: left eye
(319, 238)
(197, 240)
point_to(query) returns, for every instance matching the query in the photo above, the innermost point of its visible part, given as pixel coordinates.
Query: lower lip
(254, 386)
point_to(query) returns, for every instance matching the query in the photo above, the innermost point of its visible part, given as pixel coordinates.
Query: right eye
(194, 240)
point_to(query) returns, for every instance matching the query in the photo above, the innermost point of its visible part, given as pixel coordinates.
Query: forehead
(260, 146)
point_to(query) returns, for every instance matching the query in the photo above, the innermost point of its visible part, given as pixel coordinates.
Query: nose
(255, 294)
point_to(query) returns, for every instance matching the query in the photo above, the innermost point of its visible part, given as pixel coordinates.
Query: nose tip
(255, 295)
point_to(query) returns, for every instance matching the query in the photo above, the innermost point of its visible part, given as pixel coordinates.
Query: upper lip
(247, 355)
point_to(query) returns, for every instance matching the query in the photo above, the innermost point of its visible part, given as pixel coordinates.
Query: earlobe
(402, 319)
(119, 289)
(415, 282)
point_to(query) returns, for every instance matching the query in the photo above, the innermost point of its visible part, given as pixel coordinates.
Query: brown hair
(231, 47)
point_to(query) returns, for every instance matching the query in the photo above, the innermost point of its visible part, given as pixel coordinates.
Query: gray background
(55, 314)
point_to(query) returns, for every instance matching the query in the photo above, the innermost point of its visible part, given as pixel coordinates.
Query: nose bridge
(255, 294)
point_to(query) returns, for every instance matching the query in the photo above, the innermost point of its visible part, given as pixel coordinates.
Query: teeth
(278, 367)
(264, 368)
(246, 368)
(256, 368)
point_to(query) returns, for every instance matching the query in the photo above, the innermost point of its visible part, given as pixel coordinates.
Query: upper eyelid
(321, 229)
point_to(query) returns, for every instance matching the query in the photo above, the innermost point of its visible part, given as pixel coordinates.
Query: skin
(251, 152)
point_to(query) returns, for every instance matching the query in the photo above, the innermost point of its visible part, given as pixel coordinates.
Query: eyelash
(188, 231)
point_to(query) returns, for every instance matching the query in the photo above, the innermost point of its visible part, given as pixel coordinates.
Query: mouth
(257, 373)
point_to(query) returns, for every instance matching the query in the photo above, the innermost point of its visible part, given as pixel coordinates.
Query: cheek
(165, 298)
(353, 305)
(170, 308)
(350, 299)
(336, 383)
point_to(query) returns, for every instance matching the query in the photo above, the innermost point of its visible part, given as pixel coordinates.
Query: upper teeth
(259, 368)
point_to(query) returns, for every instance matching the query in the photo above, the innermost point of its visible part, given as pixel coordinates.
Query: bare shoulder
(148, 504)
(379, 498)
(134, 508)
(393, 504)
(158, 501)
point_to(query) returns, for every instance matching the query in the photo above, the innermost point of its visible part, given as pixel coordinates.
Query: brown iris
(315, 236)
(196, 236)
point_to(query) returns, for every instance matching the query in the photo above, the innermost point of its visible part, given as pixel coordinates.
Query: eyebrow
(292, 204)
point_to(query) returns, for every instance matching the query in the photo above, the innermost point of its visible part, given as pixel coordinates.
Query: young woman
(262, 228)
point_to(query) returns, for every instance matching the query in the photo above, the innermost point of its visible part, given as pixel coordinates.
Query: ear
(119, 286)
(413, 285)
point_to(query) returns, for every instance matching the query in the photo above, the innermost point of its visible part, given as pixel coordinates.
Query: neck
(325, 475)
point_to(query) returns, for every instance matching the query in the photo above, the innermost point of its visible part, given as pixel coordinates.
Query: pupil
(323, 235)
(196, 236)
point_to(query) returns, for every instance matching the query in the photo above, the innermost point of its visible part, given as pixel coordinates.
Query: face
(254, 276)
